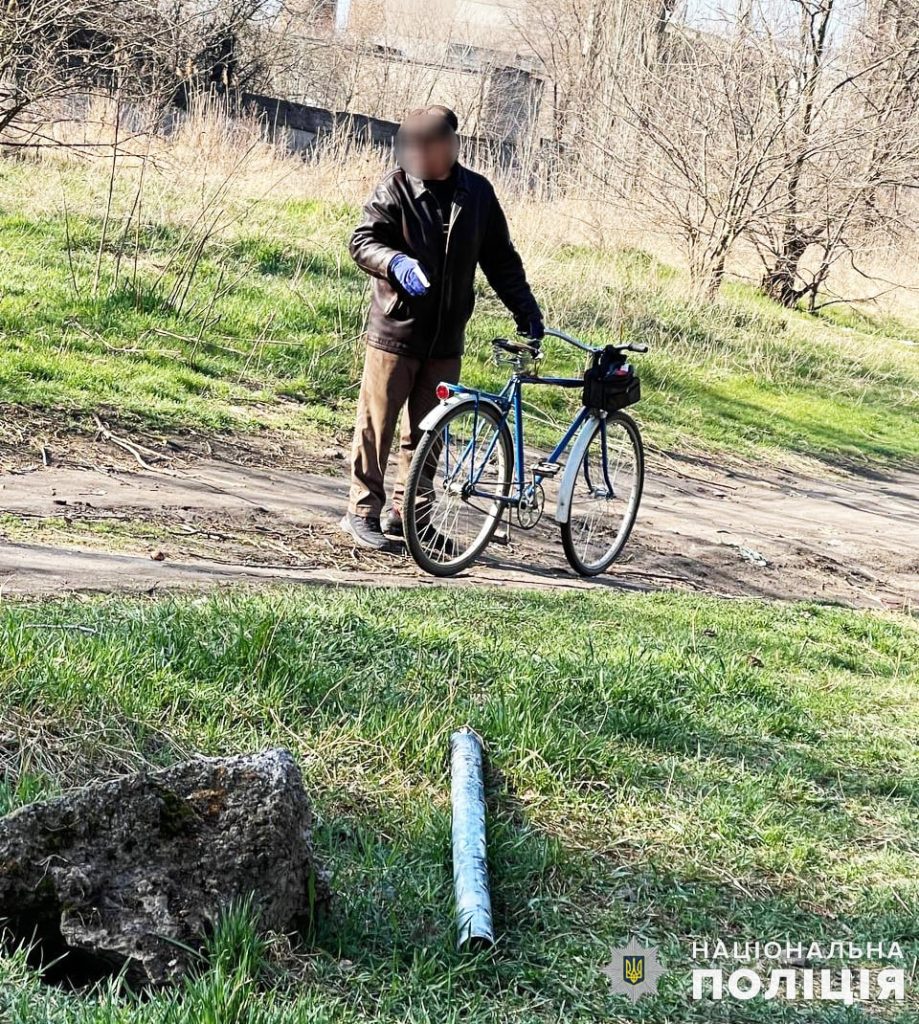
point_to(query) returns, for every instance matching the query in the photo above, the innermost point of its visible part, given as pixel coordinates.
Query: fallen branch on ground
(128, 446)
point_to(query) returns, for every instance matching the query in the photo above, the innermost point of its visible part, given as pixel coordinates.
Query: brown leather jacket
(402, 215)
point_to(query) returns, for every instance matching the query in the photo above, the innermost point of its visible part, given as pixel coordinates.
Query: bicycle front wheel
(460, 470)
(605, 495)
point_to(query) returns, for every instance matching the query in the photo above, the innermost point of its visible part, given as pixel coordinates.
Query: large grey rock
(118, 872)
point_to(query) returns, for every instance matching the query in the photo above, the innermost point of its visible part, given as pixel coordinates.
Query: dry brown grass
(208, 157)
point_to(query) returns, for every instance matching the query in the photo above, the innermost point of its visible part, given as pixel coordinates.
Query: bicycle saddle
(516, 349)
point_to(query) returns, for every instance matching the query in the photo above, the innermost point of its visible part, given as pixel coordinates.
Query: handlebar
(552, 332)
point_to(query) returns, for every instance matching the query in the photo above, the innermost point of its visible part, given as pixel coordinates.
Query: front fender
(566, 487)
(459, 398)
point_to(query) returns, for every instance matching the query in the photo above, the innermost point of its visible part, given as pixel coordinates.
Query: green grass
(667, 766)
(243, 350)
(267, 333)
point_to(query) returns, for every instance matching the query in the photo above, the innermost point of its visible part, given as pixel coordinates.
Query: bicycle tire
(428, 440)
(596, 568)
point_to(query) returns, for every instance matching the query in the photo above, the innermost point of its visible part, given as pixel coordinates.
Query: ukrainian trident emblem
(634, 971)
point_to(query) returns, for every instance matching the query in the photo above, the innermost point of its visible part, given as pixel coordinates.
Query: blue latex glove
(410, 274)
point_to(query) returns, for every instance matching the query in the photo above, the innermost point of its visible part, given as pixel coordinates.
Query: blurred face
(426, 146)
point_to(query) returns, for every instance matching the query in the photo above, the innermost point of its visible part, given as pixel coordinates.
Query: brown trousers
(389, 383)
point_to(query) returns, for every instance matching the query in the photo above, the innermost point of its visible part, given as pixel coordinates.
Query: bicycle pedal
(501, 536)
(546, 468)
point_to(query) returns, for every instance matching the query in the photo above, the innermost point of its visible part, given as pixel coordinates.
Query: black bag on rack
(610, 383)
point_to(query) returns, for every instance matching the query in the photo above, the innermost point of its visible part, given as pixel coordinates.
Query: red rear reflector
(442, 392)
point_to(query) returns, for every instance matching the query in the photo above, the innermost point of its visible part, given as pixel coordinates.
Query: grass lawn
(264, 329)
(664, 766)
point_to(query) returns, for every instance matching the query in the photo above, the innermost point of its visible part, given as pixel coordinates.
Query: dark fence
(302, 126)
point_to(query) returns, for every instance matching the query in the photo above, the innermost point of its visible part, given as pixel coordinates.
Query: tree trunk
(706, 272)
(780, 280)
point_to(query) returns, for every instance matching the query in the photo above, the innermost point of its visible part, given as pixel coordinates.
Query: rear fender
(459, 398)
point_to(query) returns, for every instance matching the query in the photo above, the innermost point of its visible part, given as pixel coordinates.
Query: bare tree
(671, 120)
(157, 51)
(851, 142)
(798, 134)
(48, 49)
(706, 123)
(222, 47)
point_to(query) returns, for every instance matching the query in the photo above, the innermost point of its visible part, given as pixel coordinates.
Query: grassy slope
(279, 345)
(665, 766)
(668, 766)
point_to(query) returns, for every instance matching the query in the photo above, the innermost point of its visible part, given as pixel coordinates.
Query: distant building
(469, 54)
(423, 24)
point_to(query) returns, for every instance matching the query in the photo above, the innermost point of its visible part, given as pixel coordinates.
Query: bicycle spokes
(604, 495)
(465, 470)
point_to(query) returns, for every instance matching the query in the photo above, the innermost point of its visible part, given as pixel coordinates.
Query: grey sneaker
(391, 522)
(366, 533)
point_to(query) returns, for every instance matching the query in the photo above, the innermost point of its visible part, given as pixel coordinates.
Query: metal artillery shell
(470, 865)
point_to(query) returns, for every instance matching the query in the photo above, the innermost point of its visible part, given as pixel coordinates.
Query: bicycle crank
(531, 506)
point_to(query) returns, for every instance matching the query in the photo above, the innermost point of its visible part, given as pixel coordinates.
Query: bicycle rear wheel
(462, 466)
(605, 495)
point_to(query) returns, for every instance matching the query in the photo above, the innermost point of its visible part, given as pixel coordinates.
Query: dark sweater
(443, 192)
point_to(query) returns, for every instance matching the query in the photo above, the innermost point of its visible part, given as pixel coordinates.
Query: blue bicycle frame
(510, 402)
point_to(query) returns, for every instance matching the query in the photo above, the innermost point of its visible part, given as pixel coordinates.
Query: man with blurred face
(424, 230)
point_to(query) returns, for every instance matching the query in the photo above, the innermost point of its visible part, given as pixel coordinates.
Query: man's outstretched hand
(410, 274)
(532, 328)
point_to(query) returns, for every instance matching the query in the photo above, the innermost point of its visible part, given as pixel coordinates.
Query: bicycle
(468, 471)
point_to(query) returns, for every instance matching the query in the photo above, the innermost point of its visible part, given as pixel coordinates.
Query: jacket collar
(418, 186)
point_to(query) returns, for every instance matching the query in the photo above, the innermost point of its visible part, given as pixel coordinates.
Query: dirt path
(221, 520)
